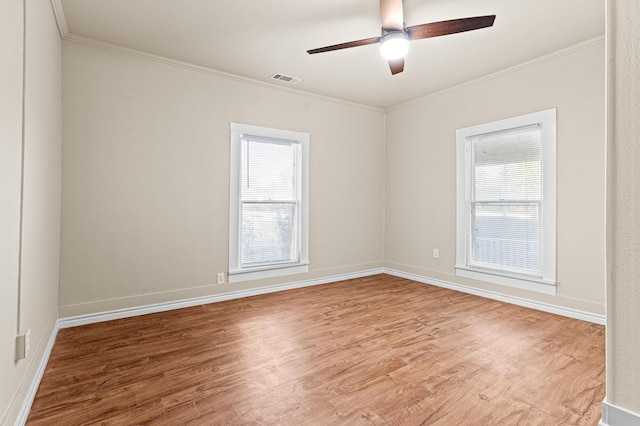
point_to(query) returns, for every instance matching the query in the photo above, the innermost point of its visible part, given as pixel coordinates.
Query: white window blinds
(270, 201)
(506, 200)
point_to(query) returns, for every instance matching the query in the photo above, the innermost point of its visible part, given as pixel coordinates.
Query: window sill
(526, 283)
(268, 272)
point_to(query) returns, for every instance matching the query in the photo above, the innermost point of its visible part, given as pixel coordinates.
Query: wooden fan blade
(436, 29)
(347, 45)
(396, 65)
(391, 15)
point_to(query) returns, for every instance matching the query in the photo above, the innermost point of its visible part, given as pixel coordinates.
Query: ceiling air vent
(286, 78)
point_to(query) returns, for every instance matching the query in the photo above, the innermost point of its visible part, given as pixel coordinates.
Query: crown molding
(210, 71)
(65, 35)
(61, 20)
(522, 66)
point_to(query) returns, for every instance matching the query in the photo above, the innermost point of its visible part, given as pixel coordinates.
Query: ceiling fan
(394, 41)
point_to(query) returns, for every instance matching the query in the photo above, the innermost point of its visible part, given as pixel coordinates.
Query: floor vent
(286, 78)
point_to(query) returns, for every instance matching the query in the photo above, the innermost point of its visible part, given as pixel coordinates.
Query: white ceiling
(257, 38)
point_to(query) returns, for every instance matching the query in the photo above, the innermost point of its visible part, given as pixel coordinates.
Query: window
(506, 202)
(268, 229)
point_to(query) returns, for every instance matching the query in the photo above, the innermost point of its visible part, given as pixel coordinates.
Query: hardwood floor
(376, 350)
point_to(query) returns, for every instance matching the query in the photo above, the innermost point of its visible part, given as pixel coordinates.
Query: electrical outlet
(220, 277)
(436, 253)
(22, 345)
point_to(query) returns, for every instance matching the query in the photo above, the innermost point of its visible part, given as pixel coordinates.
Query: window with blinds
(268, 210)
(506, 202)
(270, 201)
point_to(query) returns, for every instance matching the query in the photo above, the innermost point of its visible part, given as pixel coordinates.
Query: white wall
(146, 179)
(623, 290)
(146, 163)
(29, 302)
(10, 172)
(420, 163)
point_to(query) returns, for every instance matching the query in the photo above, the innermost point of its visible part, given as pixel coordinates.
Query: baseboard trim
(612, 416)
(35, 383)
(616, 416)
(186, 303)
(545, 307)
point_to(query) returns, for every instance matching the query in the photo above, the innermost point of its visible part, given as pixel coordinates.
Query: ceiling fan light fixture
(394, 45)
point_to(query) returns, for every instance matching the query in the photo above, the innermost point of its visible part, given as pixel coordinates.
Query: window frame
(238, 273)
(546, 282)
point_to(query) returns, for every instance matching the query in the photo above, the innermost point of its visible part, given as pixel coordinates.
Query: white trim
(617, 416)
(610, 412)
(161, 307)
(64, 33)
(464, 268)
(186, 303)
(540, 306)
(185, 65)
(269, 272)
(525, 283)
(35, 383)
(300, 141)
(268, 267)
(511, 70)
(61, 20)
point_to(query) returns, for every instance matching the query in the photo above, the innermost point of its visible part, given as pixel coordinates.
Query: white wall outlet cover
(22, 345)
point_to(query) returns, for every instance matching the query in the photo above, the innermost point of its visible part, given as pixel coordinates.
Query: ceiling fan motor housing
(394, 44)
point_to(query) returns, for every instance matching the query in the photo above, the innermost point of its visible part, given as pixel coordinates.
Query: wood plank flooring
(379, 350)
